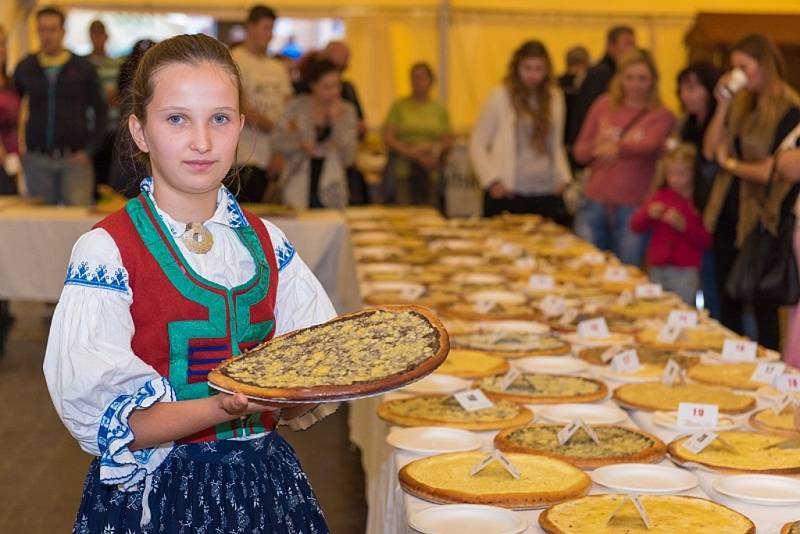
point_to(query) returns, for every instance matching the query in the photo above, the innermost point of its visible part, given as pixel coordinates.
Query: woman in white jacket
(517, 145)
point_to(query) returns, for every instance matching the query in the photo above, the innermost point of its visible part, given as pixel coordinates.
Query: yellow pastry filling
(658, 396)
(470, 363)
(694, 337)
(651, 355)
(748, 452)
(542, 385)
(734, 375)
(508, 342)
(538, 474)
(668, 515)
(359, 349)
(783, 420)
(615, 441)
(448, 410)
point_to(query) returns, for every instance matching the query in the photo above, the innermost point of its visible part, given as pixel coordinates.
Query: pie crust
(555, 389)
(396, 360)
(750, 455)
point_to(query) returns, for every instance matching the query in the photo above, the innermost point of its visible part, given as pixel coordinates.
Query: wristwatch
(730, 164)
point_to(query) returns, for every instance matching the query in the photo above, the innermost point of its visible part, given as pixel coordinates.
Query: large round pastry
(543, 388)
(472, 364)
(655, 396)
(668, 514)
(436, 410)
(779, 424)
(445, 478)
(617, 444)
(741, 452)
(358, 354)
(512, 344)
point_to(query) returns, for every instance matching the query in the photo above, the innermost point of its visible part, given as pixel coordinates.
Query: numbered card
(625, 362)
(637, 504)
(509, 378)
(593, 328)
(649, 291)
(739, 350)
(491, 457)
(692, 414)
(684, 319)
(766, 372)
(566, 433)
(699, 441)
(669, 333)
(616, 273)
(553, 306)
(484, 306)
(672, 373)
(473, 400)
(788, 383)
(541, 282)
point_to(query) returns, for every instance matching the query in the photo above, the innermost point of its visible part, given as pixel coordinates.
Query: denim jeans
(607, 226)
(683, 281)
(58, 180)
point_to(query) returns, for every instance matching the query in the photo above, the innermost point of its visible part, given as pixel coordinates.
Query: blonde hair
(763, 109)
(676, 152)
(519, 94)
(637, 56)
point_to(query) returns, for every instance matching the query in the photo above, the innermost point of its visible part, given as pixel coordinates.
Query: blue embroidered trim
(119, 465)
(284, 254)
(99, 277)
(147, 185)
(236, 218)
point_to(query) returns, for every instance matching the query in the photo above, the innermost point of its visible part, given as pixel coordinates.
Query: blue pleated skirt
(230, 487)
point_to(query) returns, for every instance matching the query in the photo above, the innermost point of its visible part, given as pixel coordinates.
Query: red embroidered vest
(184, 324)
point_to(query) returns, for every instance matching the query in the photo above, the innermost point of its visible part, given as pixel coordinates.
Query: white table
(390, 507)
(37, 241)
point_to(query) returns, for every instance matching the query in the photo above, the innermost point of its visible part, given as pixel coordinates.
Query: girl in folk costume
(157, 295)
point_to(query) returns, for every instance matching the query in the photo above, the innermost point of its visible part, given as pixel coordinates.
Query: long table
(36, 242)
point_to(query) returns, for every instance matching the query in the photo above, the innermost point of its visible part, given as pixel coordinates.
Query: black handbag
(766, 268)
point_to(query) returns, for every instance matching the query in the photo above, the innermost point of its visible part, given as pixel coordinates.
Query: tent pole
(443, 34)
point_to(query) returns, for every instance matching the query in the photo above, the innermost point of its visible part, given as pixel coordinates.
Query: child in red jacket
(678, 236)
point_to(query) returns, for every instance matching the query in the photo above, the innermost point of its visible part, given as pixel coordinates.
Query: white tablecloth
(390, 507)
(36, 241)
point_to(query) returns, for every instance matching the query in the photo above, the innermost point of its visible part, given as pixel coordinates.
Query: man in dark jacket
(619, 40)
(66, 120)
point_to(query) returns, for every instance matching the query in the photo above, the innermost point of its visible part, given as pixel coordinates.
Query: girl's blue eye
(220, 119)
(175, 119)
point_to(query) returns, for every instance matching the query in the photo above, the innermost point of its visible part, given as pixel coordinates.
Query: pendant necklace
(197, 238)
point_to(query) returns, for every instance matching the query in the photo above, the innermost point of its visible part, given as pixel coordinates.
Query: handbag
(766, 267)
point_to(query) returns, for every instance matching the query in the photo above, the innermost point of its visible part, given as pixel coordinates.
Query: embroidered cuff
(311, 417)
(118, 464)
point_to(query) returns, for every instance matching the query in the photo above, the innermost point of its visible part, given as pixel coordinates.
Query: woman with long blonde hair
(620, 141)
(517, 145)
(747, 128)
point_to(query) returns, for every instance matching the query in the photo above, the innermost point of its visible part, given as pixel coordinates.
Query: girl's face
(532, 71)
(637, 82)
(679, 175)
(192, 127)
(751, 68)
(328, 88)
(694, 96)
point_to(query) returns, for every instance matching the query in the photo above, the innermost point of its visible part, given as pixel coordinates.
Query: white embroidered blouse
(94, 378)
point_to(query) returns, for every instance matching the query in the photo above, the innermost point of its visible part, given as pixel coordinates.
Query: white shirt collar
(228, 211)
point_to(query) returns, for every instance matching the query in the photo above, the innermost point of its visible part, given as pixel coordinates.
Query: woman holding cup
(756, 109)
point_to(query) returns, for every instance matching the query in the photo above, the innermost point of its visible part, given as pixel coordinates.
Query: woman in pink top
(621, 140)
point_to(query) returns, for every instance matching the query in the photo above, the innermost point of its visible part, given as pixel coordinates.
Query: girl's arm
(641, 220)
(789, 165)
(563, 175)
(290, 134)
(655, 135)
(482, 136)
(715, 132)
(344, 134)
(696, 232)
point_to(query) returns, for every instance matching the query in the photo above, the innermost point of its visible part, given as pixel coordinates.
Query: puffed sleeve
(301, 302)
(94, 378)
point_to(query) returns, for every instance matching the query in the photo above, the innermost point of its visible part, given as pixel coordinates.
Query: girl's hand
(606, 152)
(498, 191)
(723, 97)
(655, 210)
(238, 404)
(673, 218)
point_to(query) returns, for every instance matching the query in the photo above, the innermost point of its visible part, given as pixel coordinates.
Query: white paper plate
(436, 384)
(433, 440)
(467, 519)
(759, 489)
(670, 420)
(593, 414)
(552, 365)
(644, 478)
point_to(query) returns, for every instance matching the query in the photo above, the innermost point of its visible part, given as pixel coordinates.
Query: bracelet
(731, 164)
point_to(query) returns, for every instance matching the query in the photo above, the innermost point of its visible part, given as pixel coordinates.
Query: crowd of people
(595, 148)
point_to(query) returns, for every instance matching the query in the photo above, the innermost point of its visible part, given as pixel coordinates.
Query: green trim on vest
(218, 302)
